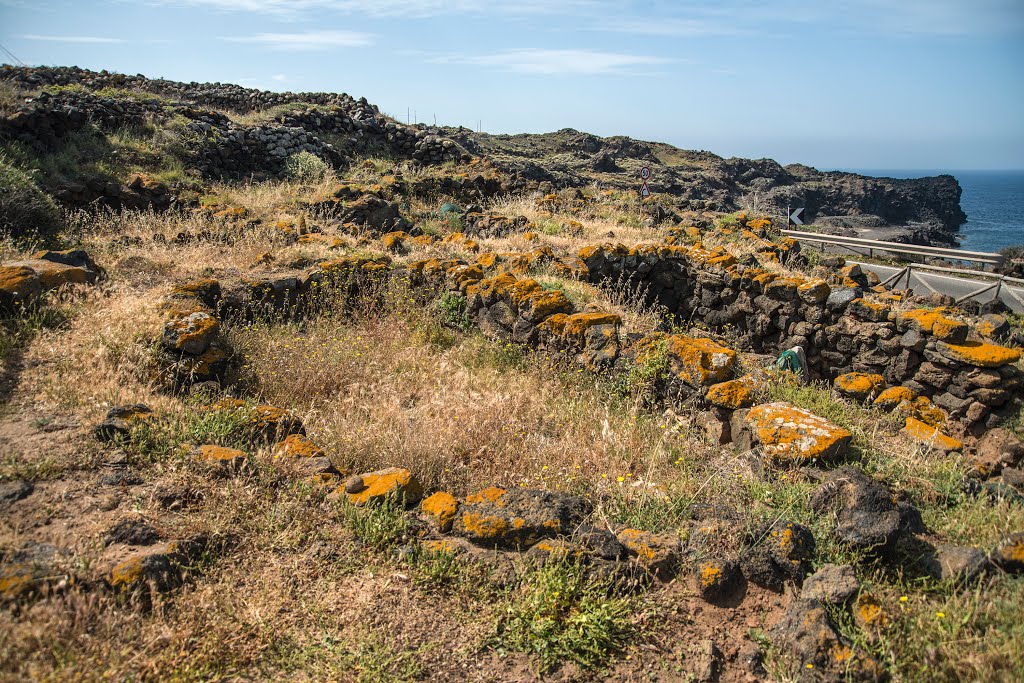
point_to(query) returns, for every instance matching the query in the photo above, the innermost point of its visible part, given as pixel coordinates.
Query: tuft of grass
(559, 613)
(451, 309)
(161, 438)
(380, 526)
(26, 212)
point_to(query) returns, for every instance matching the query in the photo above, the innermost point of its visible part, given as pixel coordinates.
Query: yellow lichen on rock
(221, 457)
(699, 361)
(892, 397)
(731, 395)
(791, 434)
(859, 385)
(979, 354)
(918, 431)
(298, 446)
(441, 509)
(491, 494)
(379, 485)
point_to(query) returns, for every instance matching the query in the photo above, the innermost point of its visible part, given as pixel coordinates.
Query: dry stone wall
(841, 331)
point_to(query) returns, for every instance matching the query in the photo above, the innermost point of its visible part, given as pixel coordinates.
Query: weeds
(380, 526)
(558, 613)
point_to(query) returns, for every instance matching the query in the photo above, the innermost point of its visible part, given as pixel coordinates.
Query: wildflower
(940, 615)
(903, 598)
(809, 665)
(620, 479)
(545, 467)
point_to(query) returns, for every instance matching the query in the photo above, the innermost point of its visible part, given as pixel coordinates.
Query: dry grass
(296, 597)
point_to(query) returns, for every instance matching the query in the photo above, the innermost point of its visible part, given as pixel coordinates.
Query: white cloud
(309, 40)
(72, 39)
(409, 9)
(676, 27)
(562, 62)
(280, 78)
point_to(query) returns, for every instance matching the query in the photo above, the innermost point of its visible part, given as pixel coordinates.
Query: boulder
(658, 553)
(866, 516)
(833, 583)
(390, 483)
(788, 434)
(859, 386)
(518, 518)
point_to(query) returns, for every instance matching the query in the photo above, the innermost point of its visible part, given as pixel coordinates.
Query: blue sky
(920, 84)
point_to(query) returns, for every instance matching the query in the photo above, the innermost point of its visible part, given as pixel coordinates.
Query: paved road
(947, 284)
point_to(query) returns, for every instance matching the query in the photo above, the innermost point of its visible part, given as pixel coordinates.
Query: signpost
(645, 191)
(796, 217)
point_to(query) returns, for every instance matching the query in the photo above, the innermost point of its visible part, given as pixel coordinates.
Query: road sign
(645, 173)
(797, 217)
(645, 192)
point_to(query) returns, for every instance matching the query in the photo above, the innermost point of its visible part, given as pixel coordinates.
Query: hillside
(294, 391)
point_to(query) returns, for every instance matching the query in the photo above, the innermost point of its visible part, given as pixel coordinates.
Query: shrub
(26, 212)
(306, 167)
(560, 613)
(451, 309)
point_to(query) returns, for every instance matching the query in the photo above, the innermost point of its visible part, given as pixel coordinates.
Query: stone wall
(927, 351)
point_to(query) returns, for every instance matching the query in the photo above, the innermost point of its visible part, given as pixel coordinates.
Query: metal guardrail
(997, 285)
(982, 257)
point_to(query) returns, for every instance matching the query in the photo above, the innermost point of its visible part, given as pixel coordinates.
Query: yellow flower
(545, 467)
(809, 665)
(940, 615)
(903, 598)
(620, 479)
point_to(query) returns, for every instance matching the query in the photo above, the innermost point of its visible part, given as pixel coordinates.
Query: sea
(992, 200)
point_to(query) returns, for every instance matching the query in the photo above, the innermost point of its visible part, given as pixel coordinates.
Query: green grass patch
(558, 613)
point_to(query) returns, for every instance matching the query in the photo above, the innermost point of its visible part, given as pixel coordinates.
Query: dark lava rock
(600, 543)
(834, 583)
(867, 516)
(31, 571)
(718, 579)
(1009, 554)
(518, 518)
(955, 563)
(121, 478)
(806, 634)
(117, 421)
(778, 553)
(839, 299)
(13, 491)
(131, 531)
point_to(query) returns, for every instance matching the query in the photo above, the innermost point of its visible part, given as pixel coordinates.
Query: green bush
(559, 614)
(306, 167)
(26, 212)
(451, 309)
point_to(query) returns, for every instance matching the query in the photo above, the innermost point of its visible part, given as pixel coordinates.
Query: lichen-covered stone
(119, 420)
(378, 486)
(716, 579)
(793, 435)
(19, 286)
(658, 553)
(892, 397)
(860, 386)
(518, 518)
(1009, 554)
(230, 460)
(191, 332)
(979, 354)
(440, 508)
(697, 361)
(922, 433)
(731, 395)
(778, 553)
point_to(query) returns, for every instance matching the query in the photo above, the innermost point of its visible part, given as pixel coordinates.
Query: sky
(858, 84)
